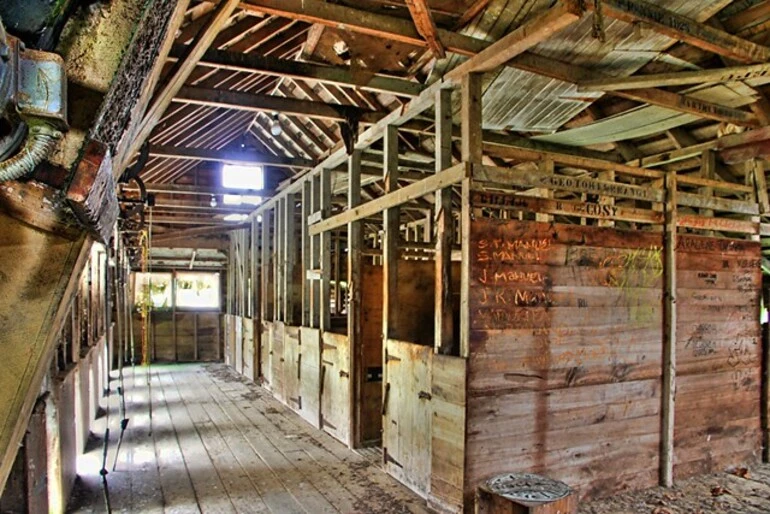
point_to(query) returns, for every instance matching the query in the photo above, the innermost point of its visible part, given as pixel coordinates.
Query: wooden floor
(221, 444)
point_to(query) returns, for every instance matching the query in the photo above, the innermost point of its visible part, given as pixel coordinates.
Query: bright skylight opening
(236, 176)
(235, 217)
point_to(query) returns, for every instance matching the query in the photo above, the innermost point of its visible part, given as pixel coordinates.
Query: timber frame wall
(616, 263)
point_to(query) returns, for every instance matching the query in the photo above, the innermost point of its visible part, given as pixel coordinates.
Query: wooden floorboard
(218, 443)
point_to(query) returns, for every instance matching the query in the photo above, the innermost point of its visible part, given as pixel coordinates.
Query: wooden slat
(507, 176)
(678, 78)
(717, 204)
(405, 194)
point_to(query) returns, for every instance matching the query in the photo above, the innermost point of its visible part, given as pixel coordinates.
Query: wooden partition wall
(564, 314)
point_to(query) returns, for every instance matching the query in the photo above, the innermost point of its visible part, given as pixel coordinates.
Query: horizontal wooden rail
(579, 184)
(717, 204)
(715, 184)
(405, 194)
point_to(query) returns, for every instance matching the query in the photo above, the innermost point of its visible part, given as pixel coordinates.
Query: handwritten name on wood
(512, 251)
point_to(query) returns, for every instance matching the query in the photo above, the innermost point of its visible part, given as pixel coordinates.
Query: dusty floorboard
(219, 443)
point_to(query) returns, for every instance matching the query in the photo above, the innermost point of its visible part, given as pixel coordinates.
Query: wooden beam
(405, 194)
(426, 27)
(264, 263)
(251, 102)
(339, 75)
(668, 391)
(325, 251)
(305, 252)
(444, 342)
(228, 156)
(121, 153)
(364, 22)
(165, 237)
(183, 189)
(356, 357)
(684, 29)
(678, 78)
(530, 33)
(178, 76)
(390, 239)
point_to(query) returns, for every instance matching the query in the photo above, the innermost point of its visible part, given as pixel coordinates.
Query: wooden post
(337, 271)
(545, 166)
(325, 251)
(355, 242)
(277, 276)
(315, 257)
(444, 339)
(264, 262)
(289, 258)
(390, 236)
(707, 170)
(470, 111)
(306, 251)
(750, 178)
(765, 407)
(668, 389)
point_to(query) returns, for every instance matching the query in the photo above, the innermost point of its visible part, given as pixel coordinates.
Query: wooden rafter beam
(227, 156)
(685, 29)
(270, 103)
(341, 75)
(365, 22)
(178, 77)
(196, 232)
(679, 78)
(201, 190)
(530, 33)
(423, 22)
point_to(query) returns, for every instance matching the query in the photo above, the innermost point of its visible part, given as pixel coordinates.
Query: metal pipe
(40, 142)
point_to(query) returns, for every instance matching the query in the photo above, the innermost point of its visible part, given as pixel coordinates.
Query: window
(242, 177)
(153, 290)
(197, 290)
(191, 290)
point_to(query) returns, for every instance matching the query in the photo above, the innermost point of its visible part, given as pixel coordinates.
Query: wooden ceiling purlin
(426, 27)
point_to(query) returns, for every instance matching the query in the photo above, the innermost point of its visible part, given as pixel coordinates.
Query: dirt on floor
(744, 491)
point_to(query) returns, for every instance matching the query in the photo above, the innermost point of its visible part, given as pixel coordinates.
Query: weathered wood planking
(265, 344)
(186, 333)
(291, 367)
(238, 344)
(276, 359)
(163, 338)
(248, 348)
(555, 384)
(447, 433)
(310, 374)
(209, 336)
(335, 393)
(406, 436)
(717, 422)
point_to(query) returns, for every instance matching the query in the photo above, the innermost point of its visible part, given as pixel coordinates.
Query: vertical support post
(545, 166)
(337, 272)
(444, 342)
(264, 262)
(707, 170)
(765, 407)
(277, 261)
(390, 236)
(306, 251)
(325, 252)
(355, 242)
(753, 196)
(289, 258)
(315, 257)
(470, 111)
(668, 390)
(760, 183)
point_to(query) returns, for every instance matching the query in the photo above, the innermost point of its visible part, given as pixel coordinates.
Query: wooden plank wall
(565, 354)
(717, 421)
(370, 410)
(249, 353)
(335, 393)
(264, 343)
(185, 336)
(310, 374)
(291, 367)
(406, 437)
(276, 359)
(447, 432)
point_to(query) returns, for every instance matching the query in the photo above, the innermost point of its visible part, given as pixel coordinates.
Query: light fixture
(275, 125)
(213, 201)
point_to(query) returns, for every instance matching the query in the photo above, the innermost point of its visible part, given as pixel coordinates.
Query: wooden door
(406, 437)
(335, 386)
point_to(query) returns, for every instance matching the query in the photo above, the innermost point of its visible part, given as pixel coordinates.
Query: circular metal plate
(528, 487)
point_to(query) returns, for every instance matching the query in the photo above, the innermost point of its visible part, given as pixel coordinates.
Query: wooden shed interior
(474, 237)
